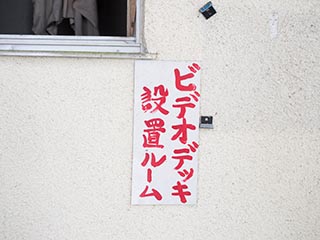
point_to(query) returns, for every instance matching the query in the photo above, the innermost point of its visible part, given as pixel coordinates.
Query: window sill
(71, 46)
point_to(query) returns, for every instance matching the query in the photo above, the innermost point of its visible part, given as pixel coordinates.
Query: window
(117, 31)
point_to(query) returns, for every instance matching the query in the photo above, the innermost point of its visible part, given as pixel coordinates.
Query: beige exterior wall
(66, 131)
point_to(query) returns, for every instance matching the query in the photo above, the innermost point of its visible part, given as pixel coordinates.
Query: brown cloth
(47, 14)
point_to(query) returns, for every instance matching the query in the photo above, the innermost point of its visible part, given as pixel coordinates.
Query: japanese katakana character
(154, 162)
(183, 106)
(179, 78)
(153, 193)
(182, 131)
(180, 192)
(184, 157)
(181, 159)
(186, 173)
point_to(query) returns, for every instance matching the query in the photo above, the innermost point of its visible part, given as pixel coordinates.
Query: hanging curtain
(82, 15)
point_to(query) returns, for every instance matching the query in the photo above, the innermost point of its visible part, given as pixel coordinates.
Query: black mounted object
(208, 10)
(206, 122)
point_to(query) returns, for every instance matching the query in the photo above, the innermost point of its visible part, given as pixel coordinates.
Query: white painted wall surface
(66, 131)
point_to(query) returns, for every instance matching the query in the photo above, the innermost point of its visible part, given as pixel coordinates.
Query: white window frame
(75, 46)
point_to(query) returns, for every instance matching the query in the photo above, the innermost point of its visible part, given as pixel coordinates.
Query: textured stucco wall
(66, 131)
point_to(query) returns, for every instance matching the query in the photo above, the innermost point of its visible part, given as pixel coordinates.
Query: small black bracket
(206, 122)
(207, 10)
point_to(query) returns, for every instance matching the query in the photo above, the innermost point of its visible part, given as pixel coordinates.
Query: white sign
(166, 132)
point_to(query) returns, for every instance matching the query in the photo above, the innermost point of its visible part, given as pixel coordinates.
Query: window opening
(115, 18)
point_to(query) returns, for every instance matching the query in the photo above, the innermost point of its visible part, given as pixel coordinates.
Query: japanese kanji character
(155, 127)
(180, 192)
(158, 99)
(153, 193)
(182, 131)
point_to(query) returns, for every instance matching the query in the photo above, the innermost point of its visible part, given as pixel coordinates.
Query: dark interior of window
(16, 18)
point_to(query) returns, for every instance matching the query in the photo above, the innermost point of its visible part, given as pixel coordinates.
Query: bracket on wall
(207, 10)
(206, 122)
